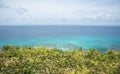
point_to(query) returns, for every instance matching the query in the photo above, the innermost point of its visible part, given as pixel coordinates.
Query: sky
(60, 12)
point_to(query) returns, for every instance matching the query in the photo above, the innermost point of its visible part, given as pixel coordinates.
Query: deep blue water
(63, 37)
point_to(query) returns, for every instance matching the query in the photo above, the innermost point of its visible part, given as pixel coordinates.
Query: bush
(40, 60)
(10, 47)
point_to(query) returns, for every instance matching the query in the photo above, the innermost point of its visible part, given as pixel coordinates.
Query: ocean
(64, 37)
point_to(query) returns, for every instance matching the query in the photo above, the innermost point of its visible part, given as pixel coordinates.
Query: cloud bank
(2, 5)
(67, 12)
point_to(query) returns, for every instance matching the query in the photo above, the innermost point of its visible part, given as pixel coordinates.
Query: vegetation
(39, 60)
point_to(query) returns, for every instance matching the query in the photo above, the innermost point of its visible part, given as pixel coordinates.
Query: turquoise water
(62, 37)
(69, 42)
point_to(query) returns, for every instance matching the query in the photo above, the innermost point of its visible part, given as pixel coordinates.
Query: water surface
(63, 37)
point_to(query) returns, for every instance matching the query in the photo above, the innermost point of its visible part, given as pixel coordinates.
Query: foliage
(10, 47)
(40, 60)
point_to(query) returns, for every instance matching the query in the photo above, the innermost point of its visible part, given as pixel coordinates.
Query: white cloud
(2, 5)
(21, 10)
(62, 11)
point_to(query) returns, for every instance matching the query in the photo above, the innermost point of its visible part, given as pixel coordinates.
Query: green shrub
(27, 47)
(10, 47)
(39, 60)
